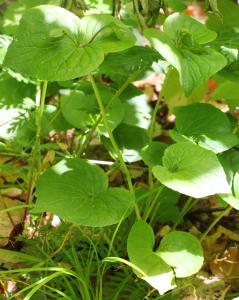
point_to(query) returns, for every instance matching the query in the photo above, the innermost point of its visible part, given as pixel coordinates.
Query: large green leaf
(140, 250)
(182, 251)
(182, 45)
(78, 191)
(192, 170)
(55, 45)
(205, 125)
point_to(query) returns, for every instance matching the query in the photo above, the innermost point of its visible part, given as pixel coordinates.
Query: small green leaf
(128, 61)
(55, 45)
(231, 200)
(205, 125)
(192, 170)
(182, 251)
(78, 191)
(140, 250)
(80, 108)
(152, 154)
(130, 139)
(182, 45)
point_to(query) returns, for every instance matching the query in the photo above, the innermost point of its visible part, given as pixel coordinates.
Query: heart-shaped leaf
(182, 251)
(192, 170)
(205, 125)
(55, 45)
(140, 250)
(181, 44)
(78, 191)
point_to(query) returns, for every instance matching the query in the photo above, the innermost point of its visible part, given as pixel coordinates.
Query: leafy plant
(73, 81)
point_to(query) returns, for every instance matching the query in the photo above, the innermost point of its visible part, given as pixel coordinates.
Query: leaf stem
(152, 204)
(82, 147)
(151, 133)
(114, 144)
(219, 217)
(35, 164)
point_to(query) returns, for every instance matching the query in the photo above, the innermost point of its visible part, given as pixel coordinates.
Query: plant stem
(152, 204)
(114, 144)
(35, 164)
(151, 133)
(187, 206)
(218, 218)
(80, 150)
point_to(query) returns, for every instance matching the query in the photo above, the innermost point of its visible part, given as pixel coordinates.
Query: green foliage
(78, 192)
(90, 132)
(182, 44)
(66, 47)
(192, 170)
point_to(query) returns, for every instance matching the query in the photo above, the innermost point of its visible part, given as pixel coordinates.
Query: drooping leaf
(182, 45)
(192, 170)
(231, 200)
(78, 191)
(140, 250)
(205, 125)
(175, 96)
(182, 251)
(55, 45)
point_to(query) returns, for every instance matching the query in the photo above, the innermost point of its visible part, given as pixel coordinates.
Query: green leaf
(128, 61)
(137, 110)
(176, 5)
(228, 18)
(231, 200)
(229, 92)
(5, 40)
(55, 45)
(15, 10)
(205, 125)
(78, 191)
(192, 170)
(182, 251)
(176, 97)
(152, 154)
(80, 108)
(182, 45)
(130, 139)
(140, 250)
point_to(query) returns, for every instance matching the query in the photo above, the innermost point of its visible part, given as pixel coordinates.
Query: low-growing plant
(69, 66)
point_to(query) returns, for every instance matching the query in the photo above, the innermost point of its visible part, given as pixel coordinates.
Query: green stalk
(152, 204)
(219, 217)
(35, 164)
(151, 133)
(114, 144)
(83, 146)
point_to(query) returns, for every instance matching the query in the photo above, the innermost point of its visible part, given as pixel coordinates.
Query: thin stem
(114, 144)
(151, 133)
(152, 204)
(187, 206)
(83, 146)
(140, 18)
(35, 154)
(218, 218)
